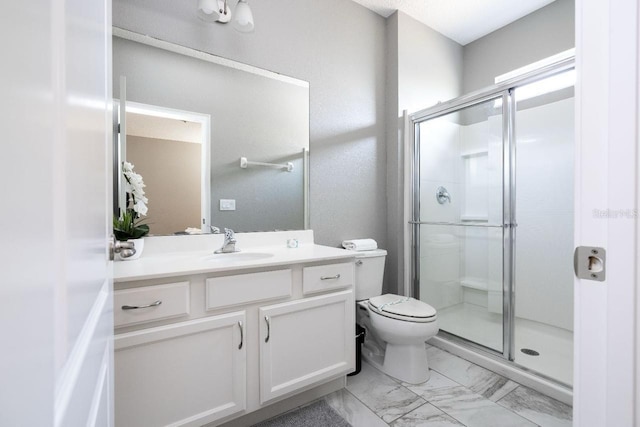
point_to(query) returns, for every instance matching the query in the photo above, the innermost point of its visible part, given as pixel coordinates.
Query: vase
(138, 245)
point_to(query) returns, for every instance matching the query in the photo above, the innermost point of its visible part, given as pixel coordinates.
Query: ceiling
(461, 20)
(156, 127)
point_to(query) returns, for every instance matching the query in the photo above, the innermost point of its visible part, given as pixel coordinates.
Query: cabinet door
(183, 374)
(305, 342)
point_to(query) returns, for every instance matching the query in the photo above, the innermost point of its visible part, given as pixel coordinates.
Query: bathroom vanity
(203, 338)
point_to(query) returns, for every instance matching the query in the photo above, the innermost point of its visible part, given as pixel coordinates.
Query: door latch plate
(589, 263)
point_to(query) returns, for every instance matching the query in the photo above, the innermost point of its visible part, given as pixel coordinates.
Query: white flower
(127, 167)
(140, 207)
(134, 186)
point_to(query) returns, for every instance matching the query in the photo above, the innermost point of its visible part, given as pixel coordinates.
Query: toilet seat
(402, 308)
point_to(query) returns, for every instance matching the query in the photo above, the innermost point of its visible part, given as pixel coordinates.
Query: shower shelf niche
(474, 283)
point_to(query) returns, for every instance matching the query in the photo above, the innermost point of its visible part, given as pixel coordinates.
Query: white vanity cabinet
(245, 340)
(305, 341)
(187, 373)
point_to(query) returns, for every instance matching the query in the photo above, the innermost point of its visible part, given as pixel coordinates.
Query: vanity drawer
(326, 277)
(173, 301)
(246, 288)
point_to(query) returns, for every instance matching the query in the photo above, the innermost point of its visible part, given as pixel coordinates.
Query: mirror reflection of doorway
(168, 148)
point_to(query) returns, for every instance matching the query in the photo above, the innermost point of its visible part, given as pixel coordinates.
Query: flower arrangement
(129, 225)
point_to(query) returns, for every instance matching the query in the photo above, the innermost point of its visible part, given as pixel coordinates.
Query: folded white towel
(193, 230)
(360, 244)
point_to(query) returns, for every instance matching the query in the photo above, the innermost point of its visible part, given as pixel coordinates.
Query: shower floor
(554, 345)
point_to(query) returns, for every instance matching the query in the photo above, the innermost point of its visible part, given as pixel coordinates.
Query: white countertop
(183, 263)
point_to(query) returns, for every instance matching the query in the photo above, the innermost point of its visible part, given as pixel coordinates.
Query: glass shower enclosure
(493, 219)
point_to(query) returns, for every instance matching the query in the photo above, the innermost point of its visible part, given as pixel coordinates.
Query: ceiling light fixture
(219, 11)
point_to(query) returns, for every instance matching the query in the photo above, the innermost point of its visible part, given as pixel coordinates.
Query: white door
(304, 342)
(606, 318)
(55, 292)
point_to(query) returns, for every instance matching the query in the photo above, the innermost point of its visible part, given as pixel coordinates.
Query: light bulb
(208, 10)
(243, 20)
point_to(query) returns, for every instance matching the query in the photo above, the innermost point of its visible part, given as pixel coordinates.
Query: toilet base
(406, 363)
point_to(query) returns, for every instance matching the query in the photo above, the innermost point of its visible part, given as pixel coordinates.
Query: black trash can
(359, 341)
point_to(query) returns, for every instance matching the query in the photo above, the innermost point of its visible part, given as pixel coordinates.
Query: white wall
(482, 190)
(544, 212)
(456, 261)
(441, 247)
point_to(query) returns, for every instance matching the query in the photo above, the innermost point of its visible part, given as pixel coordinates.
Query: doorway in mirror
(170, 149)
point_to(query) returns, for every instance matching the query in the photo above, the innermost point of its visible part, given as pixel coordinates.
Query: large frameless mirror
(218, 143)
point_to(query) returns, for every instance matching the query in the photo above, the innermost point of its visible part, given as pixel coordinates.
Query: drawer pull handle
(136, 307)
(241, 334)
(337, 276)
(266, 318)
(359, 262)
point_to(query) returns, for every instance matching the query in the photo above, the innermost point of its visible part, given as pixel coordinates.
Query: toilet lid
(402, 308)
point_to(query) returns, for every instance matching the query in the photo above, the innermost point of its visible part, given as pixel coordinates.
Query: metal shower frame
(503, 90)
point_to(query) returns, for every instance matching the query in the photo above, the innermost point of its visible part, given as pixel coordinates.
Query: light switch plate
(227, 204)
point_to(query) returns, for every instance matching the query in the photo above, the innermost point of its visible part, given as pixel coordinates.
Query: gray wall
(430, 66)
(363, 71)
(540, 34)
(423, 67)
(339, 47)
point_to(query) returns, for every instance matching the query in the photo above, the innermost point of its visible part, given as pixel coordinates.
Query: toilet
(396, 326)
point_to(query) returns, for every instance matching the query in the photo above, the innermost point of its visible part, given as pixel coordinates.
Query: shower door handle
(462, 224)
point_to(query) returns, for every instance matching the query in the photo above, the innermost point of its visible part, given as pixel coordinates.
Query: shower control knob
(442, 195)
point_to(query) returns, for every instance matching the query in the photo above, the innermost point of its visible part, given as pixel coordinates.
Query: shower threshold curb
(504, 368)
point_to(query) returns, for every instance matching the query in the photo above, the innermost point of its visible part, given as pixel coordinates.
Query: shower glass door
(459, 215)
(493, 218)
(544, 147)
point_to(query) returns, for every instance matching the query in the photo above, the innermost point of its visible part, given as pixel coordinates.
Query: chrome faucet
(229, 245)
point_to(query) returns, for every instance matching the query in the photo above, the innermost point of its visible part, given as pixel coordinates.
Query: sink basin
(236, 257)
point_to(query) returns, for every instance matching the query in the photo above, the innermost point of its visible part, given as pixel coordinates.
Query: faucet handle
(229, 234)
(214, 229)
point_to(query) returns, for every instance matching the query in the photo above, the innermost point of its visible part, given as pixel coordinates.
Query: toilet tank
(369, 273)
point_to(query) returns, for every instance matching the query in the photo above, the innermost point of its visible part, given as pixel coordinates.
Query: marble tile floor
(459, 393)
